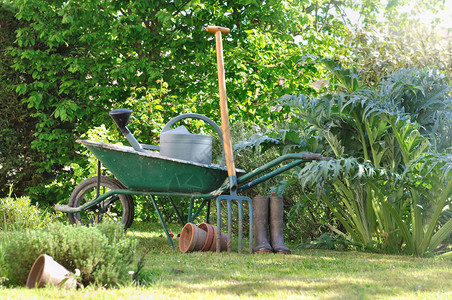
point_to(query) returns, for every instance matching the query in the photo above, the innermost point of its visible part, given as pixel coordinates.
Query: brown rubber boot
(276, 225)
(260, 223)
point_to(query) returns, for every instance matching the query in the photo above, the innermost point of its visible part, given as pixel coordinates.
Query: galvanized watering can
(176, 143)
(181, 144)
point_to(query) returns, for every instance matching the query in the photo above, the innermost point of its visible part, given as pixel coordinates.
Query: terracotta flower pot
(192, 238)
(210, 239)
(211, 245)
(46, 270)
(223, 241)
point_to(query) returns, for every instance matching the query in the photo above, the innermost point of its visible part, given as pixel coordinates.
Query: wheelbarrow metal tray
(148, 171)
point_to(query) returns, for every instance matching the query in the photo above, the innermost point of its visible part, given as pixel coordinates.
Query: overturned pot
(200, 238)
(46, 271)
(192, 238)
(211, 244)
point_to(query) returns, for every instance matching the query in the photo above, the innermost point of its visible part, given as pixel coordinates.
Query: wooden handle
(214, 29)
(228, 154)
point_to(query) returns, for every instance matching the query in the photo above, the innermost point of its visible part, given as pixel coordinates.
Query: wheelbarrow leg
(179, 217)
(162, 222)
(99, 173)
(190, 210)
(208, 211)
(192, 216)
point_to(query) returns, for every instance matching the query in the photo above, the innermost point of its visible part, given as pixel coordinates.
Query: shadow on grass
(309, 273)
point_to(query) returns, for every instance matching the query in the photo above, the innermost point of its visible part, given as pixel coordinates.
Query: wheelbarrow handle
(227, 143)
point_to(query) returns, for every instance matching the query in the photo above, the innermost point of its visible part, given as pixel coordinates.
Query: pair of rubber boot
(268, 218)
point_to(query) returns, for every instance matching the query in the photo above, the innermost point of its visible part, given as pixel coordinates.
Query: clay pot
(211, 244)
(210, 239)
(46, 270)
(223, 241)
(192, 238)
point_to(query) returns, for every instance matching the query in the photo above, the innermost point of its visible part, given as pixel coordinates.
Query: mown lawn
(312, 274)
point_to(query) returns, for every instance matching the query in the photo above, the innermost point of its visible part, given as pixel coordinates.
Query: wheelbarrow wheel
(118, 207)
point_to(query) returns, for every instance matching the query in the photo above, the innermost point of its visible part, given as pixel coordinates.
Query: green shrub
(102, 253)
(3, 271)
(18, 214)
(388, 186)
(17, 125)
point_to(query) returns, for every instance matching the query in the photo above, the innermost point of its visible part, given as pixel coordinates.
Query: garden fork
(227, 143)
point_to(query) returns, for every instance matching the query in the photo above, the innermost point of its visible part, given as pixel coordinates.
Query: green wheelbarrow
(150, 174)
(142, 170)
(163, 171)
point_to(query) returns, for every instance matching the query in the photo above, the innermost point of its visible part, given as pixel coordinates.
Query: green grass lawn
(314, 274)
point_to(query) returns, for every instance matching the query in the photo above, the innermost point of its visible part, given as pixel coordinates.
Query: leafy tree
(16, 123)
(84, 58)
(388, 38)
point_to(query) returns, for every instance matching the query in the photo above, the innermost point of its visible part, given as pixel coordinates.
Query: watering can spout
(121, 118)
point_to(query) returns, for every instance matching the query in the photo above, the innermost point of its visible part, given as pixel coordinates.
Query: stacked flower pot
(200, 238)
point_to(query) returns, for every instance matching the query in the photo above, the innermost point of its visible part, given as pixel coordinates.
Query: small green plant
(3, 275)
(19, 213)
(102, 253)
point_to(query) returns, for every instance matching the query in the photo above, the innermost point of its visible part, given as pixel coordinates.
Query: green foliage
(16, 123)
(307, 217)
(425, 96)
(402, 210)
(3, 267)
(402, 40)
(386, 187)
(85, 58)
(102, 253)
(256, 146)
(326, 241)
(18, 214)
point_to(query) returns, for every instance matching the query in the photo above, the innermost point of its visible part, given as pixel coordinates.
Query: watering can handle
(192, 116)
(227, 143)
